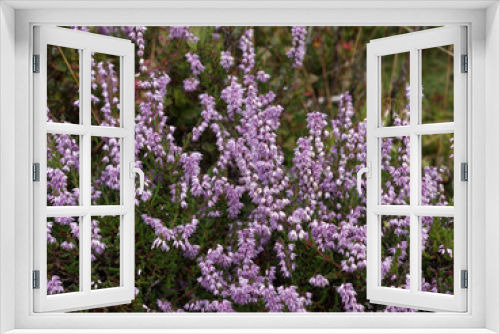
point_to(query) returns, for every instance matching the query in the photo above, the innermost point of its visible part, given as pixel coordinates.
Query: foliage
(250, 139)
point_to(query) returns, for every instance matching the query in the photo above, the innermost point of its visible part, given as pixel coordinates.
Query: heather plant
(250, 201)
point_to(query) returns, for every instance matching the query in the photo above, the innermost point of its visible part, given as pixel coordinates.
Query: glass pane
(63, 85)
(395, 170)
(105, 252)
(437, 254)
(63, 170)
(437, 84)
(105, 171)
(63, 261)
(105, 90)
(437, 170)
(395, 93)
(395, 266)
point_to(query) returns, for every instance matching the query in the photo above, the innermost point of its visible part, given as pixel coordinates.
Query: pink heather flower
(97, 245)
(183, 33)
(233, 96)
(137, 35)
(67, 245)
(298, 49)
(263, 76)
(164, 306)
(178, 237)
(442, 250)
(348, 295)
(226, 60)
(57, 192)
(246, 46)
(319, 281)
(210, 115)
(54, 285)
(195, 63)
(191, 84)
(208, 306)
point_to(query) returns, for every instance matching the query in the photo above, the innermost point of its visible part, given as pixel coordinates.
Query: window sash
(413, 43)
(85, 298)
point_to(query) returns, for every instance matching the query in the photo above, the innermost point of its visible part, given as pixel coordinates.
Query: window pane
(105, 252)
(437, 84)
(105, 90)
(437, 169)
(395, 170)
(63, 85)
(63, 170)
(63, 261)
(105, 171)
(395, 94)
(395, 266)
(437, 255)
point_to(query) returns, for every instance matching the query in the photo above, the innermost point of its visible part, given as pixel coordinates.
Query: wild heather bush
(225, 224)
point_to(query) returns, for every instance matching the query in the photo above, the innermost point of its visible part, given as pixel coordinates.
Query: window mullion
(396, 131)
(414, 167)
(434, 129)
(418, 175)
(85, 158)
(373, 184)
(81, 246)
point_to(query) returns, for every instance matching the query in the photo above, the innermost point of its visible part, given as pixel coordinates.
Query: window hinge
(464, 172)
(36, 279)
(465, 64)
(36, 172)
(465, 279)
(36, 63)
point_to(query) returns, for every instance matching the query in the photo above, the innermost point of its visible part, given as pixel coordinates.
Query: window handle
(134, 170)
(368, 171)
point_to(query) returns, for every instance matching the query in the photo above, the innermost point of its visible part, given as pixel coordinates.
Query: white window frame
(483, 100)
(413, 43)
(86, 43)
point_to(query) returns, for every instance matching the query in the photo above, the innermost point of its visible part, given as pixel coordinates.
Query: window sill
(252, 331)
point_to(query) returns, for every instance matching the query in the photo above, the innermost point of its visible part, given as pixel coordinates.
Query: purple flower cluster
(137, 35)
(263, 76)
(104, 76)
(178, 237)
(195, 63)
(226, 60)
(191, 84)
(298, 49)
(197, 67)
(348, 295)
(182, 32)
(97, 245)
(319, 281)
(54, 285)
